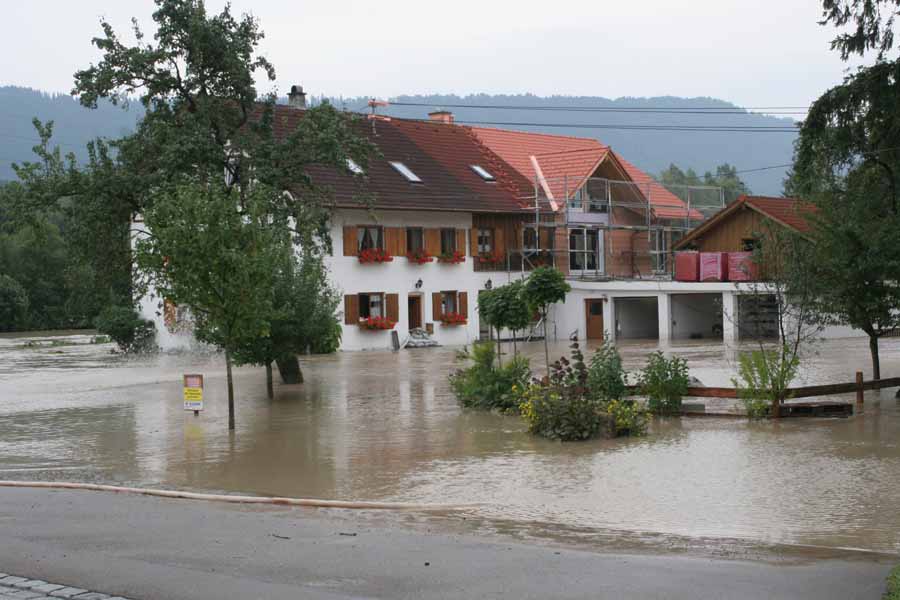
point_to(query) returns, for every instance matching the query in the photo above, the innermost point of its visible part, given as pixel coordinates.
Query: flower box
(420, 257)
(490, 259)
(374, 255)
(453, 318)
(453, 259)
(377, 323)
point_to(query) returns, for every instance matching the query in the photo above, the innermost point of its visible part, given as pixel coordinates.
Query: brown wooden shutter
(463, 301)
(392, 301)
(461, 240)
(499, 241)
(433, 241)
(436, 312)
(351, 309)
(473, 242)
(392, 241)
(351, 245)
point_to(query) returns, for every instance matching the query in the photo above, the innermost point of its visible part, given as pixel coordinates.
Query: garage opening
(758, 317)
(696, 316)
(637, 318)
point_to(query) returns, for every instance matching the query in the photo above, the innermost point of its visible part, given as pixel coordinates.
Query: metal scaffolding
(594, 209)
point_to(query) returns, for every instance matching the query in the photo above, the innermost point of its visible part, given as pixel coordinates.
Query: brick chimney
(297, 97)
(441, 116)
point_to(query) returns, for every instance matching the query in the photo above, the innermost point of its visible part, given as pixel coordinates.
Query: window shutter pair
(462, 305)
(351, 308)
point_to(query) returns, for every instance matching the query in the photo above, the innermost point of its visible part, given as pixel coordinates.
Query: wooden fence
(858, 386)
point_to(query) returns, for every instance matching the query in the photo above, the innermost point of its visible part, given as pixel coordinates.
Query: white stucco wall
(400, 277)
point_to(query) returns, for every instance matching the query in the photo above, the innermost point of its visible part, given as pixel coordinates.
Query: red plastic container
(713, 266)
(741, 267)
(687, 266)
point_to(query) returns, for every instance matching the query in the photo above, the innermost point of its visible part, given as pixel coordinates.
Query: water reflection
(384, 426)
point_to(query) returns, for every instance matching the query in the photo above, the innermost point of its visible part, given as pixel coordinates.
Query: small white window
(482, 172)
(353, 166)
(406, 172)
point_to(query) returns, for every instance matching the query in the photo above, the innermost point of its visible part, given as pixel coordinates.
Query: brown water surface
(384, 426)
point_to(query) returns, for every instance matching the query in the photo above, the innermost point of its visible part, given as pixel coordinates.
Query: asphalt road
(156, 549)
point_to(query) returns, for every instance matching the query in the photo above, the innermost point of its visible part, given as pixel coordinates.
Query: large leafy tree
(204, 121)
(847, 162)
(203, 253)
(304, 318)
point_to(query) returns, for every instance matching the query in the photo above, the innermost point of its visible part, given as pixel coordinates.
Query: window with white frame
(370, 237)
(449, 303)
(371, 305)
(485, 241)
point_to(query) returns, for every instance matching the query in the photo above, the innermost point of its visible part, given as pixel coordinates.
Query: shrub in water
(664, 381)
(606, 377)
(127, 329)
(486, 386)
(764, 378)
(627, 417)
(577, 402)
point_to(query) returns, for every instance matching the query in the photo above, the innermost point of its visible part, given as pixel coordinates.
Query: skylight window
(351, 164)
(406, 172)
(482, 172)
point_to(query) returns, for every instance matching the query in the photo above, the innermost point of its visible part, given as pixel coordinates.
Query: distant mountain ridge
(652, 151)
(74, 125)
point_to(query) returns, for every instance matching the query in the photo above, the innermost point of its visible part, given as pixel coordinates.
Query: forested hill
(649, 149)
(74, 125)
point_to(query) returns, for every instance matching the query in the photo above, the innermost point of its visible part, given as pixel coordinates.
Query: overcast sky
(763, 53)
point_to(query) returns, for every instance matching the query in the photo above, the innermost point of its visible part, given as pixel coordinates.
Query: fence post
(859, 390)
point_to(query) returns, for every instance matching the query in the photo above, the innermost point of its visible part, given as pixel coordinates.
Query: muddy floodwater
(384, 426)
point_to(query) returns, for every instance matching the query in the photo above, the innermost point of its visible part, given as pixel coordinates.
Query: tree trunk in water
(270, 388)
(876, 361)
(776, 409)
(230, 391)
(289, 367)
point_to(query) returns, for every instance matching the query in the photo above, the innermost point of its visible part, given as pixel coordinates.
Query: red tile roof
(784, 210)
(566, 162)
(787, 211)
(440, 154)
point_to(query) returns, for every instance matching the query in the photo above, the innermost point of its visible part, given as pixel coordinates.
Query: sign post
(193, 393)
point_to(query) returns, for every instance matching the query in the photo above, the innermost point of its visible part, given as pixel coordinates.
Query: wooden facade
(731, 234)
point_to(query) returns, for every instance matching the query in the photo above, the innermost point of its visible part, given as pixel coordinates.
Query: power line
(632, 127)
(765, 168)
(710, 110)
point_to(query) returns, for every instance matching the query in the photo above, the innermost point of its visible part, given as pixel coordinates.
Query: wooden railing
(858, 386)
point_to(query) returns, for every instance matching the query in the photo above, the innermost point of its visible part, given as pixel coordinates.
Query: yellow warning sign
(193, 392)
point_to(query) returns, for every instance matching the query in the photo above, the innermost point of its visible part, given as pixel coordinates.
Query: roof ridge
(536, 133)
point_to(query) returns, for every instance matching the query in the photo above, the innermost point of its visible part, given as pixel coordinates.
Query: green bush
(577, 403)
(764, 377)
(664, 381)
(551, 413)
(606, 377)
(893, 585)
(127, 329)
(488, 387)
(627, 417)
